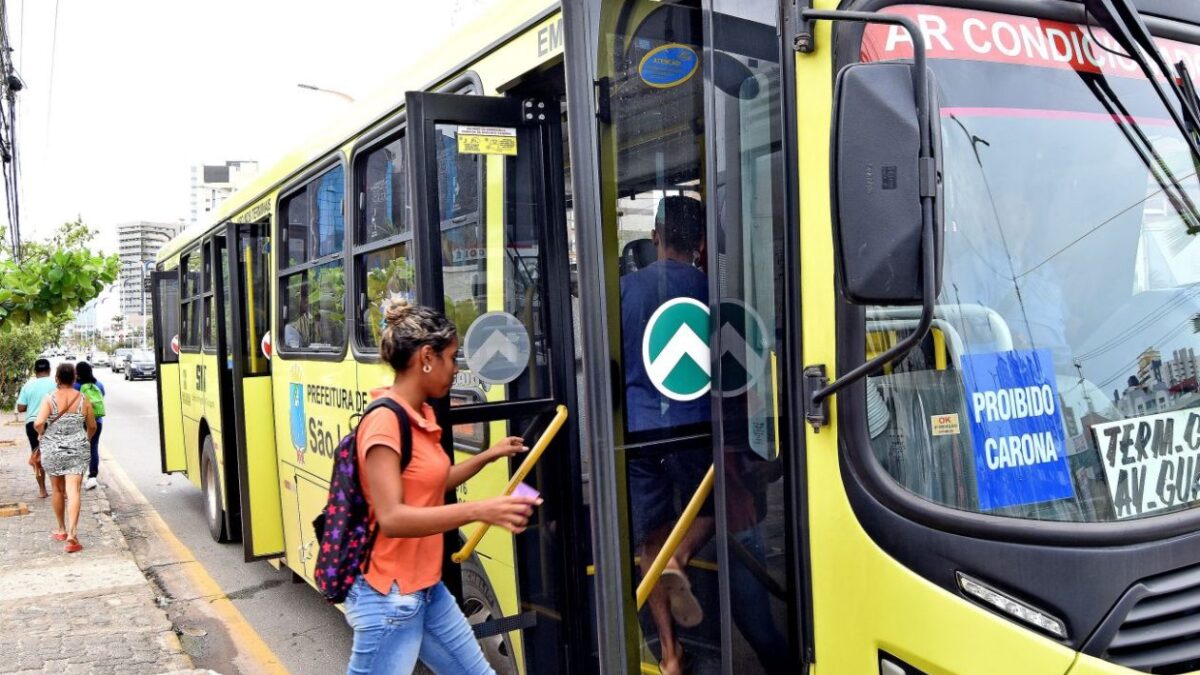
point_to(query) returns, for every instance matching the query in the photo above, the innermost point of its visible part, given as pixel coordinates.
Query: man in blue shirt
(658, 481)
(28, 402)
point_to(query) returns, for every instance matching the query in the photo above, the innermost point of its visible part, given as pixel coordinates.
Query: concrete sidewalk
(87, 612)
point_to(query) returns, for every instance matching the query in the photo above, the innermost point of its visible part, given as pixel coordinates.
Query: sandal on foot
(685, 608)
(73, 546)
(58, 536)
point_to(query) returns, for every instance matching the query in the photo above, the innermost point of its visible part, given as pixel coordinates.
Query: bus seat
(637, 254)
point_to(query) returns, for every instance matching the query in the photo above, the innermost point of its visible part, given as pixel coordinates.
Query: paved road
(308, 635)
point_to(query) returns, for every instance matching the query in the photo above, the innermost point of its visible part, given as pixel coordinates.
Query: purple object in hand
(523, 490)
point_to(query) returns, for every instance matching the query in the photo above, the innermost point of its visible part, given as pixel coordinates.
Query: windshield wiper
(1142, 145)
(1121, 19)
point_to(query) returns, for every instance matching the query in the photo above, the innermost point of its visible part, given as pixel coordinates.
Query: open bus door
(246, 379)
(488, 202)
(164, 290)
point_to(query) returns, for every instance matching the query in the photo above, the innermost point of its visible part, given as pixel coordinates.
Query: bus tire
(479, 604)
(211, 484)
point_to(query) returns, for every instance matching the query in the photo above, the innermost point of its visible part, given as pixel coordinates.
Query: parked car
(98, 360)
(120, 359)
(140, 366)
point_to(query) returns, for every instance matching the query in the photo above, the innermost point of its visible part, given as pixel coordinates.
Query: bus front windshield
(1059, 381)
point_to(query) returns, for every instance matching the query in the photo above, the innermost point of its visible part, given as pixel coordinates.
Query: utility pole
(10, 84)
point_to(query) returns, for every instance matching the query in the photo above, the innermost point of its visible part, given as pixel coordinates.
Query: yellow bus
(919, 395)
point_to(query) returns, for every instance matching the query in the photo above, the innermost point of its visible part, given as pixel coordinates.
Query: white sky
(143, 89)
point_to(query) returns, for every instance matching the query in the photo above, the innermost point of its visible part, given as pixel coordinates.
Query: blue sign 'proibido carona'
(1016, 428)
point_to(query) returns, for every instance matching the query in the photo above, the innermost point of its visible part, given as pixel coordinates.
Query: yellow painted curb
(248, 641)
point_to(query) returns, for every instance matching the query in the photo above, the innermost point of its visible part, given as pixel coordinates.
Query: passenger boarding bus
(913, 388)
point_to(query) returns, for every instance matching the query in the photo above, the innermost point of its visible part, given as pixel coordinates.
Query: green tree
(52, 277)
(20, 346)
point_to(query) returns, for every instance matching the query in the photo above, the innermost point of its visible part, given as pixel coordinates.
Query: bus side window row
(313, 274)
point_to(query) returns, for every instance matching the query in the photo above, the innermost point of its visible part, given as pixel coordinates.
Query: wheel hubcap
(494, 648)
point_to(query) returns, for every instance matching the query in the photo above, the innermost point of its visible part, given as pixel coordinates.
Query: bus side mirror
(880, 181)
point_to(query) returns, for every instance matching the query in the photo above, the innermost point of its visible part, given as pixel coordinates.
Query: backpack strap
(405, 426)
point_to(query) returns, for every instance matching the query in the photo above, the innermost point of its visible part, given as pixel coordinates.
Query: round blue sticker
(668, 66)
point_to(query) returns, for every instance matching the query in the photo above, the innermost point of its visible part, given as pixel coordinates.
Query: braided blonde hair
(409, 327)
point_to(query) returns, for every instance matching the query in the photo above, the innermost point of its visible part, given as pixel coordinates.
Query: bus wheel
(213, 512)
(479, 604)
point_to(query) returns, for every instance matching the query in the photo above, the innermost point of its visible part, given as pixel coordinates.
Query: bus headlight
(1011, 606)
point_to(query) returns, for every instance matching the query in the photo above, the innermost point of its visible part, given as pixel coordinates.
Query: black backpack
(344, 536)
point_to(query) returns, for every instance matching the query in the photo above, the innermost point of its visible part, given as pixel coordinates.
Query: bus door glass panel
(165, 288)
(221, 332)
(262, 518)
(490, 265)
(490, 221)
(748, 332)
(253, 255)
(657, 246)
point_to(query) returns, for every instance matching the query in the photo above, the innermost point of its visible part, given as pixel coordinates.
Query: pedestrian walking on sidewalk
(65, 423)
(87, 384)
(28, 402)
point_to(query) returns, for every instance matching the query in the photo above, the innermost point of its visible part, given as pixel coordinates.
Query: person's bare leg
(58, 485)
(40, 476)
(74, 484)
(660, 607)
(694, 539)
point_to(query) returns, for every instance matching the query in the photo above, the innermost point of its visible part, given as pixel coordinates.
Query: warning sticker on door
(487, 140)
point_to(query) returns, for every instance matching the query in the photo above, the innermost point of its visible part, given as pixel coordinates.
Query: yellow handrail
(560, 418)
(675, 538)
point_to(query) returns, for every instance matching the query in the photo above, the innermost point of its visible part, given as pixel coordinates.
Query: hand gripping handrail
(560, 418)
(675, 538)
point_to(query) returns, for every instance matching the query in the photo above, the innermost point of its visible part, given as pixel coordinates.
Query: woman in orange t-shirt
(399, 609)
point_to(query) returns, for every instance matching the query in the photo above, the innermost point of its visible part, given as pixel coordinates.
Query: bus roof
(455, 55)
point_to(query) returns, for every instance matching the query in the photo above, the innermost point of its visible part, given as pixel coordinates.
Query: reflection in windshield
(1072, 268)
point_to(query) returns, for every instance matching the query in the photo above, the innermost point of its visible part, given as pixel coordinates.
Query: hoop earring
(426, 369)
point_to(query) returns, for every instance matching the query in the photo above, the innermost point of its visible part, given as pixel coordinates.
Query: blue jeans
(392, 631)
(94, 463)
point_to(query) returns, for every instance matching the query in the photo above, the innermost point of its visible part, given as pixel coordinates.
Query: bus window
(384, 264)
(168, 312)
(314, 308)
(329, 192)
(212, 270)
(223, 274)
(189, 336)
(313, 283)
(1085, 296)
(254, 258)
(295, 216)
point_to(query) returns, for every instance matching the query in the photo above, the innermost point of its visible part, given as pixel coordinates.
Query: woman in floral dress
(66, 424)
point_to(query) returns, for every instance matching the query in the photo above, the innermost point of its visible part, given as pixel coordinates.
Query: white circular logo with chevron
(675, 349)
(678, 357)
(497, 348)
